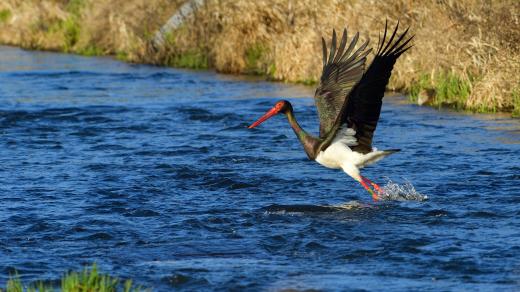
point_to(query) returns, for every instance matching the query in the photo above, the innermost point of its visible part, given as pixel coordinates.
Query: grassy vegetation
(254, 57)
(122, 56)
(445, 89)
(90, 50)
(466, 52)
(175, 55)
(71, 25)
(419, 87)
(193, 59)
(308, 82)
(5, 14)
(71, 31)
(271, 71)
(458, 61)
(516, 102)
(74, 7)
(452, 90)
(89, 280)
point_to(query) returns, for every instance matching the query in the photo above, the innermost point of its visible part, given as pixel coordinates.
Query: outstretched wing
(365, 100)
(342, 69)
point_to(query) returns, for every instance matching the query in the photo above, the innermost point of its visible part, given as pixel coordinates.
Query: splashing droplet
(401, 192)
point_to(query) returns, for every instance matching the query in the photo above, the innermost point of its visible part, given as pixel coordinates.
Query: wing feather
(332, 45)
(351, 46)
(324, 46)
(342, 70)
(341, 46)
(365, 100)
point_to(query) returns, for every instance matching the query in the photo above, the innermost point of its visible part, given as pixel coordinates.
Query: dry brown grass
(28, 22)
(84, 26)
(474, 43)
(121, 26)
(474, 40)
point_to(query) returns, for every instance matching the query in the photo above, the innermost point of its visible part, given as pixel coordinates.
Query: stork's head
(282, 106)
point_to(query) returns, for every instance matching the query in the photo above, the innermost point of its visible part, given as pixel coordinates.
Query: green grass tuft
(254, 56)
(193, 59)
(89, 280)
(516, 102)
(419, 86)
(447, 89)
(14, 284)
(308, 82)
(74, 6)
(71, 29)
(5, 14)
(122, 56)
(90, 50)
(68, 28)
(71, 32)
(271, 71)
(451, 90)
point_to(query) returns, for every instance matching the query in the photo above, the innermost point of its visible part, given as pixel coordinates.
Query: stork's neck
(310, 143)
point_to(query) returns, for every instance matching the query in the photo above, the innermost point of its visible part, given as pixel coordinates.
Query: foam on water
(393, 191)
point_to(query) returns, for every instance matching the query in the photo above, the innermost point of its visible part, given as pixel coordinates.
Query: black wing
(365, 100)
(342, 69)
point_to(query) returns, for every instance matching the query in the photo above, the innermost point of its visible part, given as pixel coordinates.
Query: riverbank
(466, 53)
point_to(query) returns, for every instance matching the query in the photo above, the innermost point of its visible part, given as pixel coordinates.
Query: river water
(152, 174)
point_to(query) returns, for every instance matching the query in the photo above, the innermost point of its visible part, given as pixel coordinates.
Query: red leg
(363, 183)
(376, 187)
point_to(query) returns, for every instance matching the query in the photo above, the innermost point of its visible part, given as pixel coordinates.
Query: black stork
(348, 100)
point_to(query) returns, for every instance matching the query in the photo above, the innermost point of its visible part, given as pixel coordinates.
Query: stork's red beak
(267, 115)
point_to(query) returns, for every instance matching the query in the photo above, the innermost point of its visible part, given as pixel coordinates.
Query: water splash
(401, 192)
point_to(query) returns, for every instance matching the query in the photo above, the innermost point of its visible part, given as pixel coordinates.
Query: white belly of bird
(336, 155)
(340, 156)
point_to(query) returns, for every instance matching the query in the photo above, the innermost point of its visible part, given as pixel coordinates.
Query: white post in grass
(175, 21)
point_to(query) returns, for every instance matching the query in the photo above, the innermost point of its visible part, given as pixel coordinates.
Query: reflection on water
(306, 209)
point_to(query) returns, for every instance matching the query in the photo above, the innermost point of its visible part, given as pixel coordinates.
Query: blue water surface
(152, 174)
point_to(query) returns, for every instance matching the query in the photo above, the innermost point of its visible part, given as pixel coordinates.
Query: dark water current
(151, 173)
